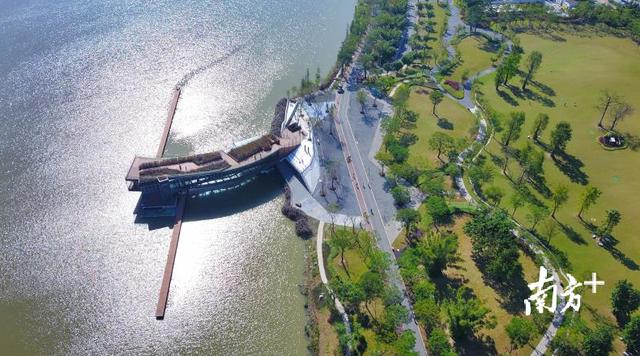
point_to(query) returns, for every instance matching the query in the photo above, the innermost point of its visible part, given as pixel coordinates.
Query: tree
(436, 97)
(517, 201)
(362, 99)
(625, 299)
(607, 98)
(498, 79)
(439, 343)
(441, 142)
(539, 125)
(537, 213)
(599, 341)
(494, 194)
(531, 161)
(560, 196)
(560, 136)
(341, 241)
(620, 111)
(372, 286)
(589, 197)
(367, 62)
(631, 335)
(567, 342)
(400, 195)
(474, 12)
(349, 292)
(394, 316)
(427, 312)
(493, 247)
(613, 219)
(438, 251)
(511, 64)
(532, 63)
(520, 331)
(467, 315)
(513, 127)
(408, 218)
(438, 209)
(405, 343)
(377, 261)
(481, 173)
(549, 229)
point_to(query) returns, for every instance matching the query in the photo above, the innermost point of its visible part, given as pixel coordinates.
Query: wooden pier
(167, 126)
(177, 226)
(171, 258)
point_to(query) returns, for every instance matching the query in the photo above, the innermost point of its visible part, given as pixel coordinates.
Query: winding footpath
(455, 22)
(325, 281)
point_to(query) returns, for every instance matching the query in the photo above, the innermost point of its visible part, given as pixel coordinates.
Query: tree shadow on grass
(551, 36)
(545, 89)
(619, 255)
(508, 98)
(572, 234)
(532, 96)
(571, 167)
(477, 345)
(445, 124)
(540, 184)
(446, 286)
(490, 46)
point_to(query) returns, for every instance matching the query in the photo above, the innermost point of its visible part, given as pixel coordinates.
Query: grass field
(467, 272)
(574, 71)
(476, 54)
(328, 344)
(453, 119)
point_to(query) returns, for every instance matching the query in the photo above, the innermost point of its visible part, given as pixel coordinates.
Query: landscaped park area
(568, 87)
(476, 54)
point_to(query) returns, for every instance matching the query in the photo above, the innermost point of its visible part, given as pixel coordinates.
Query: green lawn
(573, 72)
(454, 120)
(354, 262)
(476, 54)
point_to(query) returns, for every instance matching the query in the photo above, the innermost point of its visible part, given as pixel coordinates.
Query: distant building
(559, 6)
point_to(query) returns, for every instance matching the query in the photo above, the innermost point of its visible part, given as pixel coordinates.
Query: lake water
(84, 87)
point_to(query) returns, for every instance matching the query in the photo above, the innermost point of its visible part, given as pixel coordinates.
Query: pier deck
(167, 126)
(171, 258)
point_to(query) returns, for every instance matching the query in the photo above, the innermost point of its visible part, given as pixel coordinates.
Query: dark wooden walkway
(167, 126)
(175, 234)
(171, 258)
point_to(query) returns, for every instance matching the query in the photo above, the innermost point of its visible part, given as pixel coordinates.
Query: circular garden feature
(613, 141)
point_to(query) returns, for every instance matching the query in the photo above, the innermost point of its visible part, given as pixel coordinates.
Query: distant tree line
(622, 18)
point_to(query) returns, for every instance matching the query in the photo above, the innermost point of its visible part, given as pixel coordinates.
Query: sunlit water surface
(84, 86)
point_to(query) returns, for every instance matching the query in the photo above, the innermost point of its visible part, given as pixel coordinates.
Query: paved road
(369, 203)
